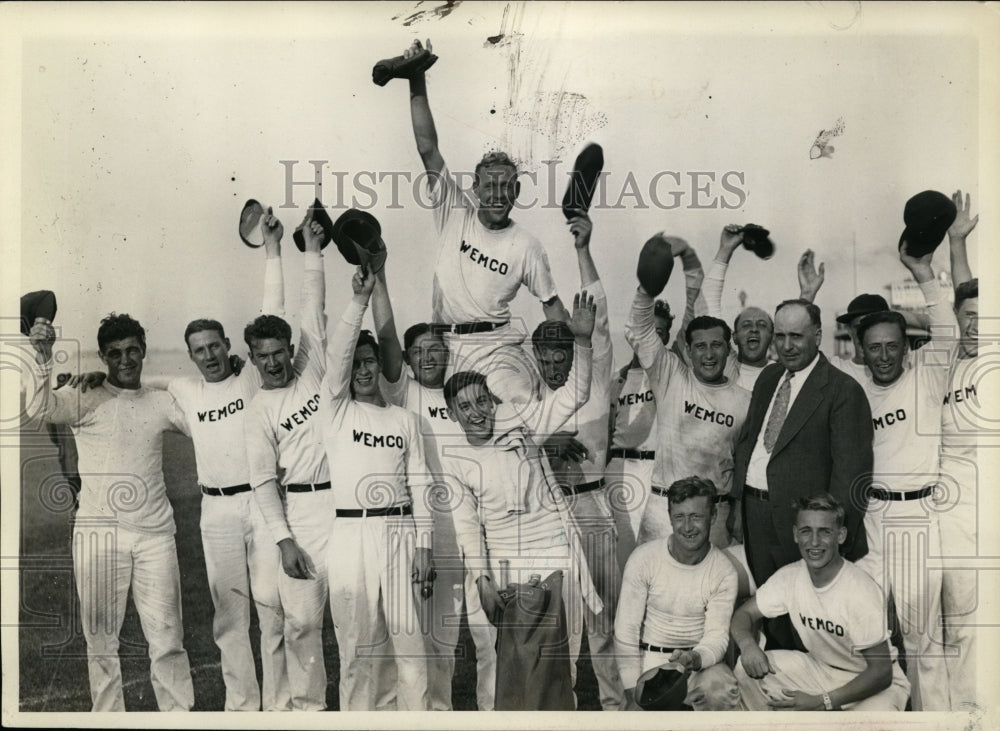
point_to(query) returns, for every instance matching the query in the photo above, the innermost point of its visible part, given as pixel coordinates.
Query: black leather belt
(220, 491)
(663, 493)
(622, 453)
(654, 648)
(754, 492)
(307, 487)
(880, 494)
(375, 512)
(583, 487)
(467, 328)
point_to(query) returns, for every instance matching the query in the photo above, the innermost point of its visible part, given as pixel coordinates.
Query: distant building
(903, 295)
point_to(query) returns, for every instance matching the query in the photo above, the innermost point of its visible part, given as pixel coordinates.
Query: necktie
(778, 413)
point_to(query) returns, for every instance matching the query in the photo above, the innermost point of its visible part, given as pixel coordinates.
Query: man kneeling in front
(677, 598)
(839, 613)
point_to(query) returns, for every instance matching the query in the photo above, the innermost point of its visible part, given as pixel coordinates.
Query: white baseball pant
(597, 530)
(960, 587)
(107, 560)
(241, 557)
(375, 614)
(453, 589)
(303, 601)
(796, 670)
(900, 540)
(628, 482)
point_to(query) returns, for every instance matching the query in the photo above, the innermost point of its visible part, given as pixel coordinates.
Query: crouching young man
(678, 594)
(839, 614)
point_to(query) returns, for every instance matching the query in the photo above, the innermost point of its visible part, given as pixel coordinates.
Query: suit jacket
(825, 444)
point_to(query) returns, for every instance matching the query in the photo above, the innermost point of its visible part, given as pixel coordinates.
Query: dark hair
(201, 325)
(690, 487)
(877, 318)
(823, 502)
(662, 309)
(704, 322)
(814, 313)
(496, 157)
(118, 327)
(462, 379)
(554, 333)
(966, 291)
(265, 327)
(365, 337)
(736, 321)
(415, 331)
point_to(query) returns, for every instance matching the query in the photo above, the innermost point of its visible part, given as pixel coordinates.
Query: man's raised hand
(363, 282)
(581, 323)
(271, 228)
(810, 278)
(963, 224)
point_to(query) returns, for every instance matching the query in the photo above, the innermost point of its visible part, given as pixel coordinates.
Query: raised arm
(340, 352)
(730, 240)
(274, 280)
(694, 301)
(62, 407)
(590, 281)
(810, 278)
(420, 114)
(958, 232)
(385, 330)
(556, 407)
(312, 325)
(941, 315)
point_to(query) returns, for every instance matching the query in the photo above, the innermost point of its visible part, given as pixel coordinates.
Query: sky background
(140, 145)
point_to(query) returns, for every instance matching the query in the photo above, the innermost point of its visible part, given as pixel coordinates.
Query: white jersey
(858, 371)
(653, 610)
(378, 450)
(835, 621)
(970, 404)
(283, 427)
(906, 415)
(119, 437)
(633, 409)
(510, 503)
(215, 414)
(697, 423)
(479, 270)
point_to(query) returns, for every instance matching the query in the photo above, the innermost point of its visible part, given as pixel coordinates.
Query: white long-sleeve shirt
(119, 437)
(670, 604)
(378, 451)
(697, 423)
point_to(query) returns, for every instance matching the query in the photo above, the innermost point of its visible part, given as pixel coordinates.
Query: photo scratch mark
(435, 13)
(821, 147)
(564, 117)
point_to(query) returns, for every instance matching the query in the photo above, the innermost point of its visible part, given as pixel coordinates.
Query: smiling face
(496, 188)
(884, 350)
(364, 373)
(210, 352)
(428, 357)
(273, 358)
(474, 409)
(819, 537)
(708, 352)
(124, 361)
(752, 336)
(968, 327)
(691, 521)
(796, 338)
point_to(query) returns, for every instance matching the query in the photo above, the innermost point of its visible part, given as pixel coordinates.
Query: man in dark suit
(808, 428)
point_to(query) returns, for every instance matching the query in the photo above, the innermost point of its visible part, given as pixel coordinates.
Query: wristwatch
(827, 703)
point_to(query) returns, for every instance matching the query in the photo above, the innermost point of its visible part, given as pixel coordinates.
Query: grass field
(53, 657)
